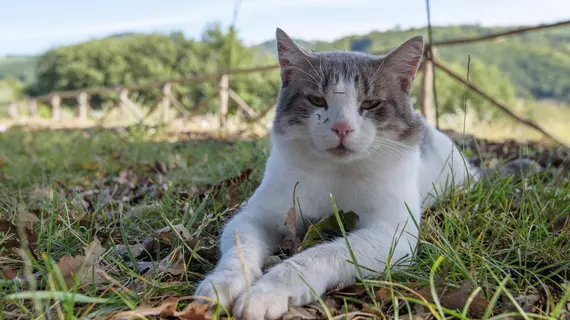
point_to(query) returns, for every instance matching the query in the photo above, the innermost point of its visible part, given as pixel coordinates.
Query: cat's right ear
(288, 52)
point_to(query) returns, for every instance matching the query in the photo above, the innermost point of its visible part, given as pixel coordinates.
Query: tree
(137, 58)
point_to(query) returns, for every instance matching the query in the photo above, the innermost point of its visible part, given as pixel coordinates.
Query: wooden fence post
(83, 101)
(224, 99)
(33, 108)
(166, 92)
(56, 108)
(122, 94)
(126, 103)
(426, 92)
(13, 110)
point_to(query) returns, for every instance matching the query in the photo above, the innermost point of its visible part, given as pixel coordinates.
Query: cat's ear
(287, 49)
(288, 52)
(405, 60)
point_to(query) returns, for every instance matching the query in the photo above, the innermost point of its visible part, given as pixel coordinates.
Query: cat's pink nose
(341, 129)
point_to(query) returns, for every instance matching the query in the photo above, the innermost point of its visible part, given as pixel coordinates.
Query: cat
(344, 127)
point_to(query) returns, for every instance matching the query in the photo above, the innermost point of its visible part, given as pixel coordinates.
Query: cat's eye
(317, 101)
(369, 104)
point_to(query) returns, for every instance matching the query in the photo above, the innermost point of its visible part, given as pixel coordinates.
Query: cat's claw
(265, 301)
(269, 297)
(222, 287)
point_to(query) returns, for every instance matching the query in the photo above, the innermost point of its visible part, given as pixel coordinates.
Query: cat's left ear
(405, 60)
(288, 51)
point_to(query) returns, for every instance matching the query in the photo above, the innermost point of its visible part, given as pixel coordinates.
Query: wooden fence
(224, 93)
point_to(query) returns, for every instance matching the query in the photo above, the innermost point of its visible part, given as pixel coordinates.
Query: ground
(98, 223)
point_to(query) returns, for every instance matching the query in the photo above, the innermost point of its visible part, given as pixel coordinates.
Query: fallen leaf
(26, 217)
(84, 267)
(167, 308)
(12, 238)
(193, 311)
(160, 167)
(243, 176)
(232, 195)
(173, 263)
(526, 302)
(8, 274)
(291, 241)
(383, 294)
(456, 298)
(372, 310)
(328, 228)
(166, 232)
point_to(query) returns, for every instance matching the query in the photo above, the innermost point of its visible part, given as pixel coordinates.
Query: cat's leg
(257, 241)
(325, 266)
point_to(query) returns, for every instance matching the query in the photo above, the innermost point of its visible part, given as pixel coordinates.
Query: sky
(34, 26)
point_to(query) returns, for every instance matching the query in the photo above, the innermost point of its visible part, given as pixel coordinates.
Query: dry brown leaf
(85, 267)
(173, 263)
(194, 311)
(166, 232)
(383, 294)
(167, 308)
(12, 238)
(160, 167)
(26, 217)
(526, 302)
(456, 298)
(243, 176)
(232, 195)
(8, 274)
(372, 310)
(291, 241)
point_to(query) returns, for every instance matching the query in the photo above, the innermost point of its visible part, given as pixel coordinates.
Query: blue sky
(33, 26)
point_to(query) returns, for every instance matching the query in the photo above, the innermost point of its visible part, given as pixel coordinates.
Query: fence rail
(225, 93)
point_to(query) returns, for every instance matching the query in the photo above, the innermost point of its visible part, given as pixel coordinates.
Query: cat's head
(347, 105)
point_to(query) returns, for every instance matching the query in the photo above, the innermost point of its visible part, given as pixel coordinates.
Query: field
(99, 222)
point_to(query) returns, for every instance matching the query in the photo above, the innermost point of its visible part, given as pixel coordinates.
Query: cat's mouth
(340, 151)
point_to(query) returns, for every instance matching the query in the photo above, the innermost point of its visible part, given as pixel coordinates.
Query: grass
(509, 237)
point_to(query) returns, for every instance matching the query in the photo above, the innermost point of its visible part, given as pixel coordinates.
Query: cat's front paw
(265, 301)
(269, 297)
(224, 286)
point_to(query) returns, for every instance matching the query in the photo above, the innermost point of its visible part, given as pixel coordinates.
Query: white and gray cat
(345, 127)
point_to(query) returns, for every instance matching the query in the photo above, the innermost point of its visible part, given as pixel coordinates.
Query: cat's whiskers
(396, 143)
(379, 147)
(309, 62)
(317, 83)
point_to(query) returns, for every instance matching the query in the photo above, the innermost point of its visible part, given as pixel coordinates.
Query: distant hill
(538, 63)
(19, 67)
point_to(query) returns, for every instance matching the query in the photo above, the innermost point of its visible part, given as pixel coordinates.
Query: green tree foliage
(18, 67)
(139, 58)
(537, 63)
(451, 93)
